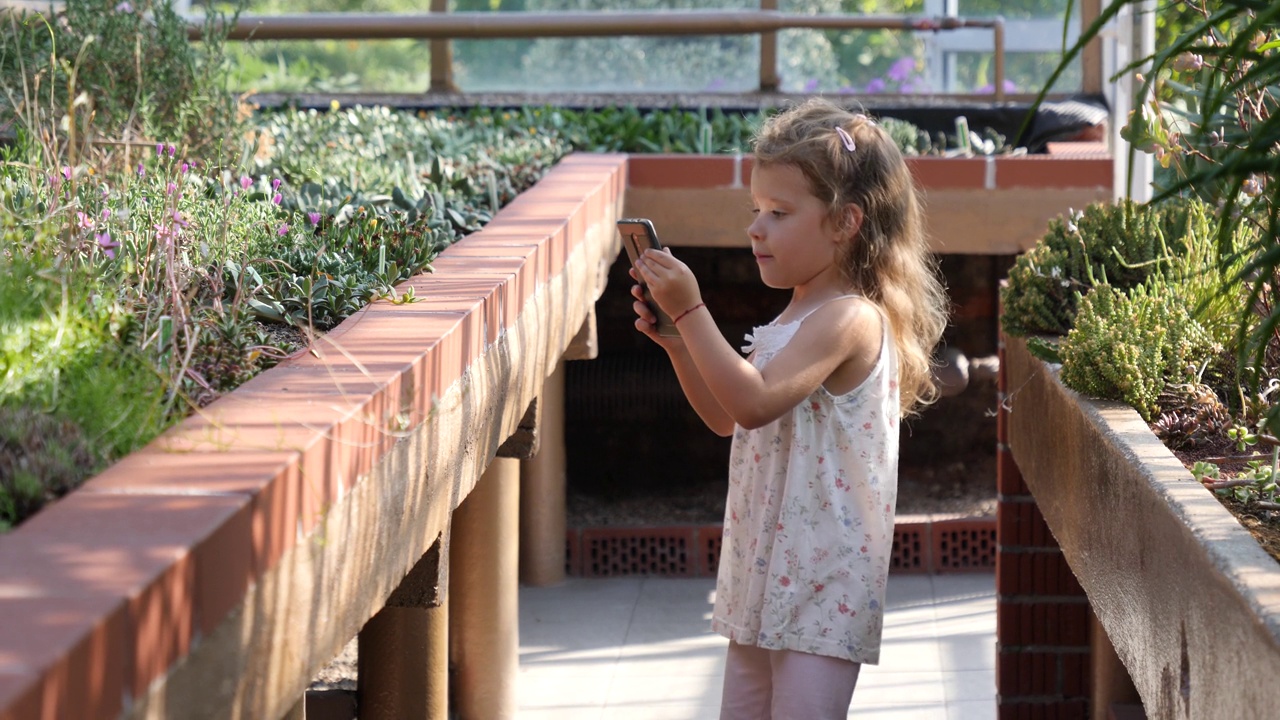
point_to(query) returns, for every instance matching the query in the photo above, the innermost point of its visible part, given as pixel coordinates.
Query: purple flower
(811, 86)
(124, 6)
(159, 148)
(142, 172)
(66, 172)
(168, 190)
(276, 198)
(185, 167)
(1009, 86)
(901, 69)
(283, 230)
(876, 85)
(275, 184)
(179, 220)
(245, 181)
(172, 150)
(314, 217)
(106, 213)
(107, 244)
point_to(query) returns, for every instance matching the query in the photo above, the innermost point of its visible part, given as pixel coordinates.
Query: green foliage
(1121, 244)
(1213, 129)
(103, 71)
(1127, 346)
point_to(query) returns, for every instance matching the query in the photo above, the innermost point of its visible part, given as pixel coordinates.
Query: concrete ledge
(1188, 598)
(213, 572)
(978, 206)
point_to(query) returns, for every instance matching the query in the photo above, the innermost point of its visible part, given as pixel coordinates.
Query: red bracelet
(686, 312)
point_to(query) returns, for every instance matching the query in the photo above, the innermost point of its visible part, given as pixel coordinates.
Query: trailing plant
(1128, 346)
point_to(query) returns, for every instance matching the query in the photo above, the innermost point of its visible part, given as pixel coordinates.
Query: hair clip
(846, 138)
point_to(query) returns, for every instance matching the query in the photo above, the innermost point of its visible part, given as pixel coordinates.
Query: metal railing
(441, 27)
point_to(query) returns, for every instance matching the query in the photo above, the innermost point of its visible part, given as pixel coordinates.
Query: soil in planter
(1264, 525)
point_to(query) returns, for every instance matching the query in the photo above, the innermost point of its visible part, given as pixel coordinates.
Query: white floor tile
(972, 710)
(969, 685)
(642, 648)
(887, 688)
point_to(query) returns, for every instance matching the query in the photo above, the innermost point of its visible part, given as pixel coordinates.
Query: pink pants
(785, 685)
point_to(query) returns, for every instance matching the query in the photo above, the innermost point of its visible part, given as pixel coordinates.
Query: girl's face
(794, 243)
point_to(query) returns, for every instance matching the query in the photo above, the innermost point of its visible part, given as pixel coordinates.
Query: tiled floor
(623, 648)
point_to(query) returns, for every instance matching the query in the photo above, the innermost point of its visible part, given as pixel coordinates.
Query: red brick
(1075, 675)
(1002, 415)
(1009, 623)
(1030, 171)
(1008, 477)
(683, 171)
(1073, 624)
(1008, 682)
(1073, 710)
(1008, 573)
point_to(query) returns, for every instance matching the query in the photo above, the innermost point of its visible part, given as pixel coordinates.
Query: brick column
(1042, 614)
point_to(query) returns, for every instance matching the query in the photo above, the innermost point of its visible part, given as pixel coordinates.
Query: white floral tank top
(808, 524)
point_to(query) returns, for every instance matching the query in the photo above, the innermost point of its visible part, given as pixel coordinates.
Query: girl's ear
(854, 217)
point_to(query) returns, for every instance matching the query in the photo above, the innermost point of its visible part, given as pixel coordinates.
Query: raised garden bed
(1183, 592)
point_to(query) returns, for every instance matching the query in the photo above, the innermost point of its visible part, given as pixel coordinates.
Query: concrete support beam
(542, 493)
(404, 649)
(484, 643)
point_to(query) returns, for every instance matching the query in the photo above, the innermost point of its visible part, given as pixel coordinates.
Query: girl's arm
(695, 390)
(841, 336)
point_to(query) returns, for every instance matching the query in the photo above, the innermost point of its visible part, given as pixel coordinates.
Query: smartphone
(637, 236)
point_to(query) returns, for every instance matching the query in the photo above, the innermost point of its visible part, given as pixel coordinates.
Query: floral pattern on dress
(809, 519)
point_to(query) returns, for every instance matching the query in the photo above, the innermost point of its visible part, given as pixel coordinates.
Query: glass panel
(332, 65)
(1016, 9)
(722, 63)
(852, 61)
(1023, 72)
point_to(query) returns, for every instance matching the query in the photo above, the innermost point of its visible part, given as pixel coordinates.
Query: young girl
(813, 408)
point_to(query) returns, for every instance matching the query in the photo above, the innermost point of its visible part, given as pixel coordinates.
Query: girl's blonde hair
(888, 261)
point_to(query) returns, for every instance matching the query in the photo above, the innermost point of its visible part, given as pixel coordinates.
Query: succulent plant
(1119, 244)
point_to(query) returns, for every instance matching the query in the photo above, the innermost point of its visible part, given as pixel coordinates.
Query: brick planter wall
(1042, 614)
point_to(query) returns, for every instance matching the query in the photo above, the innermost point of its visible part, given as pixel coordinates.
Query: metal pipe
(997, 31)
(490, 25)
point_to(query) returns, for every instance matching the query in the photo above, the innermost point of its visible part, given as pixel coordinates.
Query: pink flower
(275, 184)
(314, 217)
(107, 244)
(66, 172)
(283, 230)
(106, 213)
(124, 6)
(185, 167)
(172, 150)
(168, 190)
(142, 172)
(159, 148)
(83, 221)
(245, 181)
(276, 198)
(784, 581)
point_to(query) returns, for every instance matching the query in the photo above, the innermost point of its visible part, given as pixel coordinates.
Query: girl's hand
(646, 320)
(670, 282)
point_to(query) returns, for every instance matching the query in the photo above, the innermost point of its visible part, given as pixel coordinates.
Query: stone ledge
(1181, 588)
(248, 543)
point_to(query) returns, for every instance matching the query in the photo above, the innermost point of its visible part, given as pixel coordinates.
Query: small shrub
(1119, 244)
(1128, 346)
